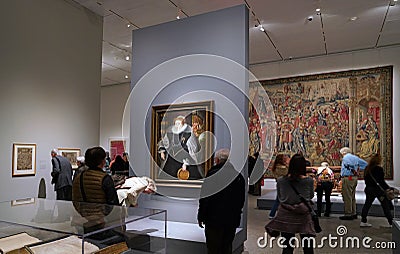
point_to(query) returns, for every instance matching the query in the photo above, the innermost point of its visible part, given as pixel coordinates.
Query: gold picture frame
(23, 160)
(190, 143)
(71, 154)
(23, 201)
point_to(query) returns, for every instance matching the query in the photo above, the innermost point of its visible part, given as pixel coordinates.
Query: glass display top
(77, 218)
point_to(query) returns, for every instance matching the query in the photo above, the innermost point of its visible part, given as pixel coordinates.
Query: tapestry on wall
(317, 115)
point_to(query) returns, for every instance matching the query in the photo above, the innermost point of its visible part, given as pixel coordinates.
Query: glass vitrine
(42, 224)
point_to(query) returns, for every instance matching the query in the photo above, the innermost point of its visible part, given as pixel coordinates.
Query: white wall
(50, 70)
(340, 62)
(113, 100)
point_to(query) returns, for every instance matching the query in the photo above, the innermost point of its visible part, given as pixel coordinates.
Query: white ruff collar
(175, 130)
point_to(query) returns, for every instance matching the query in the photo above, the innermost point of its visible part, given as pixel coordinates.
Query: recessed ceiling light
(353, 18)
(128, 25)
(318, 10)
(127, 58)
(126, 76)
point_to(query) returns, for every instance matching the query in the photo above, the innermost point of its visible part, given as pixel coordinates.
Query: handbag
(390, 193)
(314, 216)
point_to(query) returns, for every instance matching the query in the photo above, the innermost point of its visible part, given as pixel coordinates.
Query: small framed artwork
(23, 201)
(71, 154)
(24, 160)
(181, 143)
(117, 146)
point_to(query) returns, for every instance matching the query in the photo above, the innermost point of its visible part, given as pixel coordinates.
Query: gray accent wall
(50, 85)
(223, 33)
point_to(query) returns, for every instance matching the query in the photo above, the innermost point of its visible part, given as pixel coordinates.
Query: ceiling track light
(179, 14)
(261, 28)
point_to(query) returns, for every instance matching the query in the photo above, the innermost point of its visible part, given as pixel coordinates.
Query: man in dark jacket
(221, 212)
(62, 176)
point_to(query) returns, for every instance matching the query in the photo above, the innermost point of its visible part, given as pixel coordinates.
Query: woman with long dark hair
(293, 215)
(374, 183)
(279, 169)
(118, 166)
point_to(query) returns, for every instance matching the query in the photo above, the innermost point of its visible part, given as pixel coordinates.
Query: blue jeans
(274, 207)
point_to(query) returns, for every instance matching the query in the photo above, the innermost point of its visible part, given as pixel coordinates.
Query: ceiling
(293, 29)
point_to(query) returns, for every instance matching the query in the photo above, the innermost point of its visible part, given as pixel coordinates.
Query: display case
(36, 225)
(396, 224)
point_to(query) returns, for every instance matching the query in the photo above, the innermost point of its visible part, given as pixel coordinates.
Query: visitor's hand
(162, 154)
(148, 191)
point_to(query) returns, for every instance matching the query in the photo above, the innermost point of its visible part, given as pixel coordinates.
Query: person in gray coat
(61, 176)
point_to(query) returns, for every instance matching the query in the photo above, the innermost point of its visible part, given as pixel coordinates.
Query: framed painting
(24, 201)
(24, 160)
(117, 146)
(181, 142)
(71, 154)
(318, 114)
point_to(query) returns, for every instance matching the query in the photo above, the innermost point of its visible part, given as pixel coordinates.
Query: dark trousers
(274, 208)
(64, 193)
(219, 239)
(327, 188)
(385, 203)
(307, 249)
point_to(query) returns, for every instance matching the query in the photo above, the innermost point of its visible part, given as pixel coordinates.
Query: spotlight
(179, 13)
(126, 76)
(127, 58)
(261, 28)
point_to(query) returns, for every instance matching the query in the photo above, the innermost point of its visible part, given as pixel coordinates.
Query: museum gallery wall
(318, 114)
(46, 91)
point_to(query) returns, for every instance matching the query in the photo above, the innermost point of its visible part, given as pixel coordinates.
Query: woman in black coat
(118, 166)
(374, 183)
